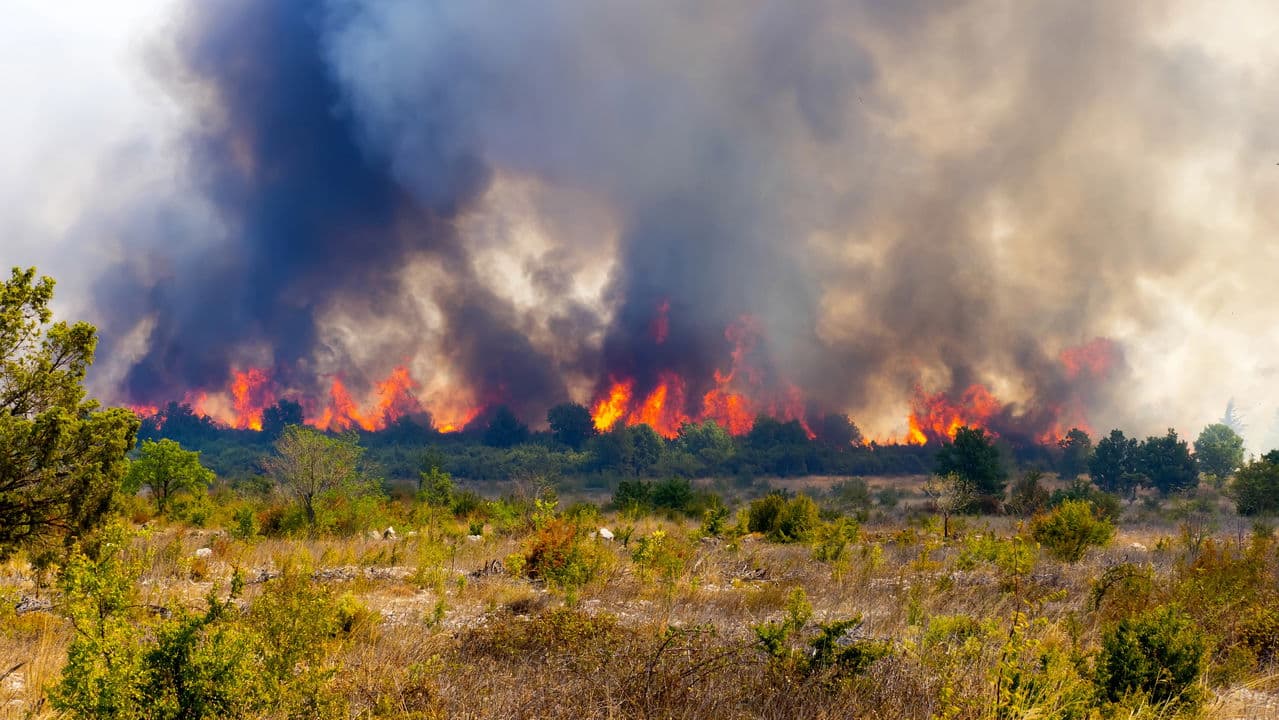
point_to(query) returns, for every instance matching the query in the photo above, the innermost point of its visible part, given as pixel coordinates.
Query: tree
(1028, 497)
(1256, 486)
(164, 468)
(648, 447)
(279, 416)
(1219, 450)
(61, 458)
(1113, 465)
(1076, 451)
(1167, 464)
(571, 424)
(504, 429)
(837, 431)
(951, 494)
(308, 465)
(974, 457)
(707, 441)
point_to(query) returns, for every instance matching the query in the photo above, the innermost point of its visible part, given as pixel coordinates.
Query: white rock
(388, 534)
(204, 552)
(1138, 546)
(475, 538)
(375, 535)
(606, 533)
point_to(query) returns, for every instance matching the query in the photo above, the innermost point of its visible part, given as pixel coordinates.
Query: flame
(738, 395)
(142, 411)
(1095, 358)
(938, 418)
(610, 408)
(663, 408)
(251, 395)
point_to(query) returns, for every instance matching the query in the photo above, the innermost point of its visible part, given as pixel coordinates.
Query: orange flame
(610, 408)
(251, 395)
(1095, 358)
(938, 418)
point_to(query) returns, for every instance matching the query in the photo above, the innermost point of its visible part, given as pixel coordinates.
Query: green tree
(164, 469)
(707, 441)
(571, 424)
(837, 431)
(308, 465)
(1076, 451)
(61, 458)
(1166, 463)
(505, 430)
(279, 416)
(648, 447)
(1256, 486)
(974, 457)
(1219, 450)
(1113, 465)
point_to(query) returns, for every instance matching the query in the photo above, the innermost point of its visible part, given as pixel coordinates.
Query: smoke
(901, 195)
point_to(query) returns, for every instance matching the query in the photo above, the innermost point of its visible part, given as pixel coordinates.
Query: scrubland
(521, 608)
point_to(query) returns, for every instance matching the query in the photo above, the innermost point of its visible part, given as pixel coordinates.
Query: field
(667, 619)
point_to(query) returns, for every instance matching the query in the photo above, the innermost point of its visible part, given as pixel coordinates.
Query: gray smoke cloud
(903, 195)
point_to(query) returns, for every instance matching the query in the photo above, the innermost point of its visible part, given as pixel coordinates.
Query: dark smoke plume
(901, 195)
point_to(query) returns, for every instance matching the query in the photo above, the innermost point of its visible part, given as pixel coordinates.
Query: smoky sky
(902, 195)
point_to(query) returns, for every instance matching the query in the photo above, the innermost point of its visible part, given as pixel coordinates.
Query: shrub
(1106, 504)
(831, 648)
(1028, 497)
(783, 520)
(557, 556)
(1069, 530)
(1158, 655)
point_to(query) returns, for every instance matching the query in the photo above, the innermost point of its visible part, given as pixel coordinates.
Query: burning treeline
(733, 397)
(402, 212)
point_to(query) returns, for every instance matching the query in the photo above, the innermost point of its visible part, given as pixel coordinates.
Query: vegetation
(1219, 450)
(714, 583)
(63, 457)
(165, 469)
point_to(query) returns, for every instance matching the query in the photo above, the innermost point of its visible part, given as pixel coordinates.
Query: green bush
(1070, 529)
(1159, 655)
(782, 519)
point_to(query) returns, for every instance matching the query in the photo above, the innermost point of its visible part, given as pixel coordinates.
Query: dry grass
(455, 638)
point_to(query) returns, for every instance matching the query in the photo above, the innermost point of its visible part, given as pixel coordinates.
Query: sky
(1114, 165)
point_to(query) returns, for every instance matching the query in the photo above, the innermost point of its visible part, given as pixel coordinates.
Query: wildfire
(251, 395)
(737, 396)
(1095, 358)
(938, 417)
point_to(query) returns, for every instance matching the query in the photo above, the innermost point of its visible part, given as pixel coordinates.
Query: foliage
(63, 458)
(1076, 451)
(1028, 496)
(837, 431)
(308, 464)
(1113, 466)
(974, 457)
(1159, 655)
(852, 496)
(782, 519)
(1166, 463)
(504, 430)
(571, 424)
(1106, 505)
(950, 495)
(557, 555)
(165, 469)
(1255, 487)
(279, 416)
(1070, 529)
(833, 538)
(1219, 450)
(831, 648)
